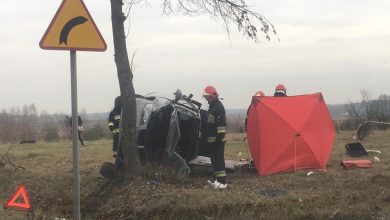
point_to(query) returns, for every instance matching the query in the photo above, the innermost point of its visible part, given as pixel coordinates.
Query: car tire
(108, 170)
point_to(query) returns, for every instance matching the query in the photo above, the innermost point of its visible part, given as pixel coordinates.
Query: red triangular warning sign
(21, 192)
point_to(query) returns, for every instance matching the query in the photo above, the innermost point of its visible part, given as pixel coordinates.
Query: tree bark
(132, 165)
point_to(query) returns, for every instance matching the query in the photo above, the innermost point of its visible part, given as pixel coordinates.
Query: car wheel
(108, 170)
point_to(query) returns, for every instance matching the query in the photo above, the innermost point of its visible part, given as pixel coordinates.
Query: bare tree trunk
(132, 163)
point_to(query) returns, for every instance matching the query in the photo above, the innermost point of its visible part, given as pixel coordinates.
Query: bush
(52, 135)
(97, 132)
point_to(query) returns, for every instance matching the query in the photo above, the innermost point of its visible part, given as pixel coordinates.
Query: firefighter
(114, 124)
(280, 91)
(215, 133)
(259, 93)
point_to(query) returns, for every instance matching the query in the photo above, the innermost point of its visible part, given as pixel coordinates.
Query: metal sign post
(62, 35)
(75, 136)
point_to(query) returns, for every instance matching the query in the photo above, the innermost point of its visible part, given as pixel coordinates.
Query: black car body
(169, 129)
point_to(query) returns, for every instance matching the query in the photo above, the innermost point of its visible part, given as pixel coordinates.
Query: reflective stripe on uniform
(223, 139)
(221, 130)
(110, 124)
(211, 140)
(280, 91)
(211, 119)
(220, 173)
(117, 117)
(116, 130)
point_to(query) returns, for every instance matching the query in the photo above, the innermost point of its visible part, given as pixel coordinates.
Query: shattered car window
(159, 103)
(146, 113)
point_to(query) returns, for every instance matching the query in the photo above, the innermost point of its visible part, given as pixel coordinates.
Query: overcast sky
(329, 46)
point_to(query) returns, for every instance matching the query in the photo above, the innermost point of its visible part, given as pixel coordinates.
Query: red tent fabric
(289, 133)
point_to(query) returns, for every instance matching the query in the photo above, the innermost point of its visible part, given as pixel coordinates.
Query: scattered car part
(355, 149)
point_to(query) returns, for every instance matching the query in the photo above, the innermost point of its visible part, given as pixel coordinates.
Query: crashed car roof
(163, 99)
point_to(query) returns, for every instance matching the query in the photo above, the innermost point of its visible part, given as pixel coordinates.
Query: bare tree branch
(132, 67)
(363, 113)
(230, 11)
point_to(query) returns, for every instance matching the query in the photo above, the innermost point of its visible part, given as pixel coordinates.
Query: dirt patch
(31, 155)
(381, 180)
(273, 192)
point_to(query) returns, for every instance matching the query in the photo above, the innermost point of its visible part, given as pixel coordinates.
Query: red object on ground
(289, 133)
(352, 164)
(24, 205)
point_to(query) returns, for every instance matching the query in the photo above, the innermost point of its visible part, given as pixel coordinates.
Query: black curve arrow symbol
(69, 26)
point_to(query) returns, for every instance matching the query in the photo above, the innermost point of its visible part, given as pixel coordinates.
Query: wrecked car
(169, 130)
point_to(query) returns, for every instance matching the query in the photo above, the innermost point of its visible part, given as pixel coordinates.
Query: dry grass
(335, 194)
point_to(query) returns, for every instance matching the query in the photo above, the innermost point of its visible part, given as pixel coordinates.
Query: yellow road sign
(73, 28)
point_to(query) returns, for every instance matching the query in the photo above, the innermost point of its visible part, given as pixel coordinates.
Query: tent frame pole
(295, 156)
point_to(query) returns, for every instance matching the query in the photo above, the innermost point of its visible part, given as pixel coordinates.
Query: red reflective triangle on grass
(20, 192)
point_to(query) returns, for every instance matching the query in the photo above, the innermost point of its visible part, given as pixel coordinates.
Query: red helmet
(280, 87)
(259, 93)
(210, 91)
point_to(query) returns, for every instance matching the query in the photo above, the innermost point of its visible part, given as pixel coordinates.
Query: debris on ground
(352, 164)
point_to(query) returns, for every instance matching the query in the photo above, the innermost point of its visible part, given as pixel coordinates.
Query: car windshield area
(172, 134)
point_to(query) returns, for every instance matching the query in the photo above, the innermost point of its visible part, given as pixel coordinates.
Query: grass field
(335, 194)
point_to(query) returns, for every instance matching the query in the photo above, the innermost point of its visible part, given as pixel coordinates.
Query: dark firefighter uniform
(114, 124)
(216, 131)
